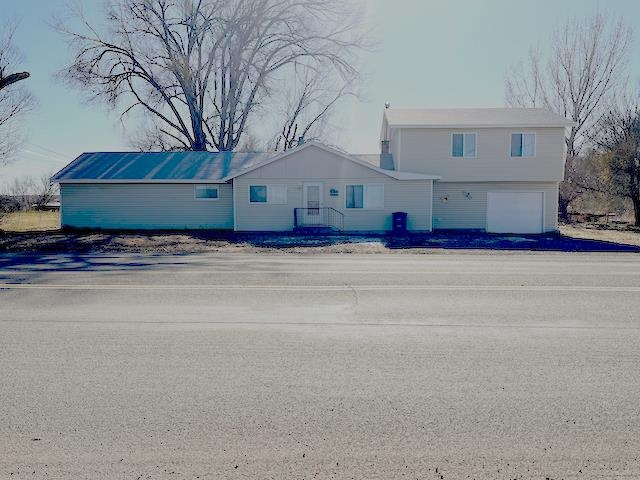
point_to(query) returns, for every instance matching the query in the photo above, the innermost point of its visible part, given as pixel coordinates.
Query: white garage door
(515, 212)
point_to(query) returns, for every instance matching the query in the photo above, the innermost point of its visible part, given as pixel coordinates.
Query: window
(257, 194)
(206, 192)
(270, 194)
(523, 144)
(369, 197)
(463, 145)
(355, 196)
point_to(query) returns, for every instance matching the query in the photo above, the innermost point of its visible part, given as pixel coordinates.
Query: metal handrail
(318, 217)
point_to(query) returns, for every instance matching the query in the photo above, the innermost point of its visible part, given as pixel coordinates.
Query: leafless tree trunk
(201, 70)
(585, 67)
(15, 100)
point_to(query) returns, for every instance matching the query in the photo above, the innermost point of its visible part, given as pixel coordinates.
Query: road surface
(450, 365)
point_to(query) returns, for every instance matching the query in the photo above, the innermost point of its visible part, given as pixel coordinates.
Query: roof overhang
(555, 121)
(195, 181)
(475, 125)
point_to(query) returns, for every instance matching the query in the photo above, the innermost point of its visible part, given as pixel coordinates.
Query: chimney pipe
(300, 140)
(384, 147)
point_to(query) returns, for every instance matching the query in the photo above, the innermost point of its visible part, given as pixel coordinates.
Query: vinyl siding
(454, 209)
(144, 206)
(428, 150)
(315, 165)
(395, 142)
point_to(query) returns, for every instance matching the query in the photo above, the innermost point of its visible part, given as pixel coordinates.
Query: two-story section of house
(500, 167)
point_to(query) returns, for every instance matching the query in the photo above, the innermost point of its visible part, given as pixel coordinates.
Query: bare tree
(585, 67)
(617, 134)
(15, 100)
(21, 191)
(200, 70)
(304, 112)
(251, 144)
(8, 204)
(44, 191)
(30, 192)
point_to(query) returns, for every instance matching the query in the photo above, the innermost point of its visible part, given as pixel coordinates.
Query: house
(483, 169)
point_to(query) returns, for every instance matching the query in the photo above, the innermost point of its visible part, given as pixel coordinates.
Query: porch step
(314, 230)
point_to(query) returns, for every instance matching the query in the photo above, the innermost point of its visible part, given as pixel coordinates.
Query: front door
(312, 198)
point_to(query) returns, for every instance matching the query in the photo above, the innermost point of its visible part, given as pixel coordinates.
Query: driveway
(450, 365)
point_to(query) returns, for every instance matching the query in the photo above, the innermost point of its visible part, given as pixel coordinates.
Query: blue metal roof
(159, 166)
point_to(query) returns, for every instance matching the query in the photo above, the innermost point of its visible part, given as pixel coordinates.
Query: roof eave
(416, 177)
(138, 180)
(485, 125)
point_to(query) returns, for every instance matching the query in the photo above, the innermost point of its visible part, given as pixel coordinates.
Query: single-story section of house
(312, 185)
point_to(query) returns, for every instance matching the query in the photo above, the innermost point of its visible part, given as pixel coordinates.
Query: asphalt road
(320, 366)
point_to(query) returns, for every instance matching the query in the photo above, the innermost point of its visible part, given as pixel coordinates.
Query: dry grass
(37, 231)
(622, 234)
(31, 221)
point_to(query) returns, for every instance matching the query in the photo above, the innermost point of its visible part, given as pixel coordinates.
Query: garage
(515, 212)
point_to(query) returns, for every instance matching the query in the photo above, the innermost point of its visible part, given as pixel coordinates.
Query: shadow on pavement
(34, 263)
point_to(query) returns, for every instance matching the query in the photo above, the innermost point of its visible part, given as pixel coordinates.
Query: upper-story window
(463, 145)
(523, 144)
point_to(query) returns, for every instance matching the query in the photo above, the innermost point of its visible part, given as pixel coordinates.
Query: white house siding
(464, 205)
(395, 142)
(315, 165)
(428, 150)
(144, 206)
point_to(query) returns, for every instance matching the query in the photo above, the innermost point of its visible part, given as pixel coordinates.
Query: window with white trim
(523, 144)
(463, 145)
(206, 192)
(268, 194)
(367, 196)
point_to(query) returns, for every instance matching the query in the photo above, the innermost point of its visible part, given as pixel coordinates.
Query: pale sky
(430, 53)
